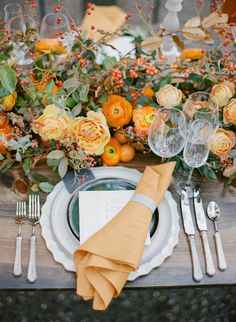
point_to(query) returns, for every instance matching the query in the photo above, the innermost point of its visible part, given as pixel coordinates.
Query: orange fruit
(7, 132)
(127, 153)
(111, 154)
(118, 111)
(121, 137)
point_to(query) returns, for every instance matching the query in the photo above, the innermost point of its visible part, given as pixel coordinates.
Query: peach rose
(222, 142)
(53, 125)
(91, 132)
(192, 107)
(142, 118)
(223, 92)
(229, 112)
(169, 96)
(9, 101)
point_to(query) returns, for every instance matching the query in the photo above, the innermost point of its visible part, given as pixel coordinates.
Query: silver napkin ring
(144, 200)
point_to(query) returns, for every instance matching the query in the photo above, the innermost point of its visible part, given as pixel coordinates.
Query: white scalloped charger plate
(62, 243)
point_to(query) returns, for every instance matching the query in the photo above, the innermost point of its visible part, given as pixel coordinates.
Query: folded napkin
(107, 18)
(104, 261)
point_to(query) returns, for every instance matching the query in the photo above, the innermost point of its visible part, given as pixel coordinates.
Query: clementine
(127, 153)
(112, 151)
(121, 137)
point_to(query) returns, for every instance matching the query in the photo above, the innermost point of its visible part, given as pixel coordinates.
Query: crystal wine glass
(201, 105)
(196, 149)
(168, 132)
(52, 24)
(12, 10)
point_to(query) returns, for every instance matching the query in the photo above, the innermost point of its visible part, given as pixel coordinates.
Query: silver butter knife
(189, 230)
(202, 226)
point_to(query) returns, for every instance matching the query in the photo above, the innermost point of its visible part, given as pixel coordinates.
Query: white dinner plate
(62, 243)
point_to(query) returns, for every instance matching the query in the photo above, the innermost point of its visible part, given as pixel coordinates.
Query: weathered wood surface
(175, 272)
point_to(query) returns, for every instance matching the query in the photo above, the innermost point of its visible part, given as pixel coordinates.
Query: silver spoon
(213, 212)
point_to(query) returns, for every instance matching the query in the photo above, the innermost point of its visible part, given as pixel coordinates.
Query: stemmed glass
(167, 133)
(201, 105)
(196, 149)
(14, 11)
(53, 24)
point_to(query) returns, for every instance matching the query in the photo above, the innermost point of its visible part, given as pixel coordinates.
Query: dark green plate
(110, 184)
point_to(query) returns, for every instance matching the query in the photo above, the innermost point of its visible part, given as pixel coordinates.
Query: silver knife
(202, 226)
(189, 230)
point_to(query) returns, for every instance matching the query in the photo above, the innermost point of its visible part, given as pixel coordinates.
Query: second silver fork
(20, 219)
(33, 218)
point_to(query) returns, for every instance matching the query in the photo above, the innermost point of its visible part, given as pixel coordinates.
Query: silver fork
(20, 219)
(33, 218)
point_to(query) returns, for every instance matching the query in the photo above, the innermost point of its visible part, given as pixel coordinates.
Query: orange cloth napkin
(104, 261)
(107, 18)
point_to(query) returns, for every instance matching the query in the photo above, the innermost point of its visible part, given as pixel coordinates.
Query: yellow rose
(169, 96)
(91, 132)
(229, 112)
(223, 92)
(53, 125)
(9, 101)
(222, 142)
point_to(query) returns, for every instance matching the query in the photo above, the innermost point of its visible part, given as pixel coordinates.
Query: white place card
(97, 208)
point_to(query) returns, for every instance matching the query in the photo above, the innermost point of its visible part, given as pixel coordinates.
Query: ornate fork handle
(32, 272)
(17, 270)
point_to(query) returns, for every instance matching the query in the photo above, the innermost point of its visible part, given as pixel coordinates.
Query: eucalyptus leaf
(207, 172)
(56, 154)
(35, 187)
(46, 187)
(49, 87)
(162, 82)
(71, 84)
(3, 92)
(232, 153)
(109, 62)
(103, 98)
(63, 167)
(76, 109)
(39, 177)
(8, 78)
(83, 93)
(27, 165)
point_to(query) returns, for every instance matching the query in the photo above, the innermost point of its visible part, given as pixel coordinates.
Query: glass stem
(189, 181)
(163, 160)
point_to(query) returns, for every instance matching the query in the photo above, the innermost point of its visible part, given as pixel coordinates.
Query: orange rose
(222, 142)
(7, 134)
(118, 111)
(142, 118)
(48, 46)
(193, 53)
(223, 92)
(91, 132)
(229, 112)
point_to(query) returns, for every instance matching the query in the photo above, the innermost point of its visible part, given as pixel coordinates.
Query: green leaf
(109, 62)
(56, 154)
(6, 165)
(8, 78)
(70, 102)
(46, 187)
(27, 165)
(83, 93)
(162, 82)
(35, 187)
(63, 167)
(207, 172)
(39, 177)
(3, 92)
(49, 87)
(104, 98)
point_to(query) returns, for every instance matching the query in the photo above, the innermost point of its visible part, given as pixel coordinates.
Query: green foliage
(46, 187)
(8, 78)
(207, 172)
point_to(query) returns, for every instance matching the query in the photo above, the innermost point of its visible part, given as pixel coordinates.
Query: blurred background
(215, 304)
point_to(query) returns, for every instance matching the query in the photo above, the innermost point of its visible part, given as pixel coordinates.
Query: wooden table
(176, 271)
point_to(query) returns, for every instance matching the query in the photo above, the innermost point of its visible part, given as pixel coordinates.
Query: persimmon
(112, 152)
(127, 153)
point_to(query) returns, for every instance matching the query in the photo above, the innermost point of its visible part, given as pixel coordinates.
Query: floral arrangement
(67, 101)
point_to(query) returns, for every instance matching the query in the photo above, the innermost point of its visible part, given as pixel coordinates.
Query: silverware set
(32, 217)
(213, 213)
